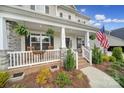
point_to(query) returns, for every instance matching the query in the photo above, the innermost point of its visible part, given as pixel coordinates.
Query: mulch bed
(30, 81)
(103, 66)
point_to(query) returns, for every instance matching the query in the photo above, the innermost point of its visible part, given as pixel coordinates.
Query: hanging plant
(21, 30)
(50, 32)
(92, 37)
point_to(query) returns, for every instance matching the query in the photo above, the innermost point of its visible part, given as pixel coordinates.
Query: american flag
(101, 36)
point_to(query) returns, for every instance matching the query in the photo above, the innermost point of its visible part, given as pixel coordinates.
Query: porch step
(82, 63)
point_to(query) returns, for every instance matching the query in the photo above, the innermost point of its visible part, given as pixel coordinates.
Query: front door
(80, 42)
(68, 42)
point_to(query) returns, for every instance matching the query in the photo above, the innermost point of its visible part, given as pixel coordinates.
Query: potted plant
(50, 33)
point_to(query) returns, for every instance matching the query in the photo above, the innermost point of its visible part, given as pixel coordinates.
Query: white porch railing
(27, 58)
(87, 54)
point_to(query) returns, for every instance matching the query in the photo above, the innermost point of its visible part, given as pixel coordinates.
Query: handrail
(87, 54)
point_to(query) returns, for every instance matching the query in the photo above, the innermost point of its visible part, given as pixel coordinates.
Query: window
(39, 41)
(78, 20)
(45, 41)
(35, 41)
(47, 9)
(32, 7)
(84, 22)
(61, 14)
(69, 17)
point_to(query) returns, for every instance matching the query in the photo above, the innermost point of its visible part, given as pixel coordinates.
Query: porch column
(87, 41)
(3, 34)
(63, 45)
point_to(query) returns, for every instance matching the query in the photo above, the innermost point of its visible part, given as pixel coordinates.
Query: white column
(87, 41)
(63, 45)
(3, 34)
(56, 10)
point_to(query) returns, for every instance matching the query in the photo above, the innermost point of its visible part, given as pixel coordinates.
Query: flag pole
(104, 48)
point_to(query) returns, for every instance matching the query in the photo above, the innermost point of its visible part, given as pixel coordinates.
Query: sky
(111, 16)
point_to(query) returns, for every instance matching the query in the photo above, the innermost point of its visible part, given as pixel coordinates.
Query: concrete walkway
(99, 79)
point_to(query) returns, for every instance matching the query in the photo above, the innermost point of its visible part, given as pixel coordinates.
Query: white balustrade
(27, 58)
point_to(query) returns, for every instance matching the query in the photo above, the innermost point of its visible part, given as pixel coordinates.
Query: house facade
(71, 29)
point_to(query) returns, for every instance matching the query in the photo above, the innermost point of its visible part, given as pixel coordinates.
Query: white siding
(52, 10)
(73, 38)
(40, 8)
(65, 14)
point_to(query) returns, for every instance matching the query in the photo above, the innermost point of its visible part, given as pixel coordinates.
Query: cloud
(97, 24)
(100, 17)
(118, 20)
(109, 20)
(83, 10)
(91, 22)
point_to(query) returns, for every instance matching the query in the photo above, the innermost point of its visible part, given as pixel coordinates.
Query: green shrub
(112, 59)
(105, 58)
(118, 54)
(117, 65)
(121, 80)
(4, 76)
(69, 63)
(96, 55)
(43, 76)
(62, 79)
(116, 72)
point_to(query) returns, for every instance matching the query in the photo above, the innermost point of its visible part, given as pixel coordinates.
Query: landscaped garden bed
(76, 77)
(112, 65)
(57, 76)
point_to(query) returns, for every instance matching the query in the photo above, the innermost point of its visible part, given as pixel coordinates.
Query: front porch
(35, 49)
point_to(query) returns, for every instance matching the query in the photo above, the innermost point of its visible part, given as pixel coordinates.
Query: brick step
(83, 66)
(82, 63)
(80, 57)
(82, 60)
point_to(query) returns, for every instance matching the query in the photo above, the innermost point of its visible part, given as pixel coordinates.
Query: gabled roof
(118, 33)
(72, 6)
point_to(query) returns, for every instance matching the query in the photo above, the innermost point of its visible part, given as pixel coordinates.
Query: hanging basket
(92, 37)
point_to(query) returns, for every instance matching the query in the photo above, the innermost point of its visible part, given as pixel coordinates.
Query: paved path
(99, 79)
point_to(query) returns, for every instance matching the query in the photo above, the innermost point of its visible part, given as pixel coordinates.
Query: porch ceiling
(43, 27)
(40, 27)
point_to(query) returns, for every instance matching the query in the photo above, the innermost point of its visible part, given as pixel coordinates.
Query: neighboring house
(69, 26)
(117, 38)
